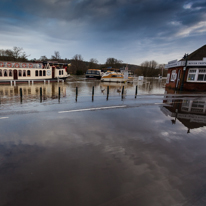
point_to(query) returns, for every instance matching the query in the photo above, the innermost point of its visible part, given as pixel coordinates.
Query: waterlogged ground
(148, 150)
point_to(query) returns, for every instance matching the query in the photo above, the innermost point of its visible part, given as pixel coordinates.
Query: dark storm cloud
(147, 17)
(115, 23)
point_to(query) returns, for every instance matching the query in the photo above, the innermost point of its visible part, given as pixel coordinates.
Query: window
(5, 73)
(191, 77)
(40, 73)
(200, 77)
(197, 75)
(0, 73)
(44, 73)
(192, 74)
(28, 73)
(20, 73)
(10, 73)
(59, 72)
(24, 73)
(173, 75)
(36, 73)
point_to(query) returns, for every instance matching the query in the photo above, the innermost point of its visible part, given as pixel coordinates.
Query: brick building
(189, 73)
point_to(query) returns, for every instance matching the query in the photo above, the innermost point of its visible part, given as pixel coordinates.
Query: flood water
(148, 150)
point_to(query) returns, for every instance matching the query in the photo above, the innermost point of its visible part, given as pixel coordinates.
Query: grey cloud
(104, 23)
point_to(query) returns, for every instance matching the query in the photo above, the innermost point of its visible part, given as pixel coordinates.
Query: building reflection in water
(190, 111)
(31, 91)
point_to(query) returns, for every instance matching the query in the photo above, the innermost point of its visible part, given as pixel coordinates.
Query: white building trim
(175, 63)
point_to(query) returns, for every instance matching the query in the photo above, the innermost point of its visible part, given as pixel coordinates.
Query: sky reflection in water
(140, 155)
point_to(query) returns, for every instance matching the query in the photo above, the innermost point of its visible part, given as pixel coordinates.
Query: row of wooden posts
(59, 93)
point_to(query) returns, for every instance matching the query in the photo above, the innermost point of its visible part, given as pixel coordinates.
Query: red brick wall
(190, 86)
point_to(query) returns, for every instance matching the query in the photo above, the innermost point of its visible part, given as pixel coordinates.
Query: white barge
(25, 71)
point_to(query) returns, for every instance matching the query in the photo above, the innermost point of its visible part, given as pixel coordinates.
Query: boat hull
(118, 80)
(93, 77)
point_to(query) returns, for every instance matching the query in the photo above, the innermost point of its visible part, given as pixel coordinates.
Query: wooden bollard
(59, 95)
(122, 91)
(107, 92)
(40, 94)
(21, 95)
(136, 92)
(93, 93)
(76, 93)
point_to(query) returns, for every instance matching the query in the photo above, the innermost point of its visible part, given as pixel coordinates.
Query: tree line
(79, 66)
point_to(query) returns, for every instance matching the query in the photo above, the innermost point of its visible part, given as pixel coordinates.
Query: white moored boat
(24, 71)
(111, 76)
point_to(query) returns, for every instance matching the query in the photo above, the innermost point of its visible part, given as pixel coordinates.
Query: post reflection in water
(85, 87)
(31, 92)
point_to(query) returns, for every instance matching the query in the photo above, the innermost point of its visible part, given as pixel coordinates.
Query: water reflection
(10, 94)
(129, 156)
(190, 111)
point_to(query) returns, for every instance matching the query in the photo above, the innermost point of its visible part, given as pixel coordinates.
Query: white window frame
(173, 76)
(196, 75)
(168, 78)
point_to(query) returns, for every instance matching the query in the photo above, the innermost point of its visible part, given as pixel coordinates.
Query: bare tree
(113, 63)
(17, 52)
(56, 56)
(148, 68)
(43, 58)
(93, 63)
(77, 65)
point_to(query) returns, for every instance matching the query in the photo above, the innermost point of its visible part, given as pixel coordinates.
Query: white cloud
(197, 28)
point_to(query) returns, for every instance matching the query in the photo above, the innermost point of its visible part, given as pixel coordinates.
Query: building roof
(198, 54)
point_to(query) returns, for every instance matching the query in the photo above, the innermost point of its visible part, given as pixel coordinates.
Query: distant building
(189, 73)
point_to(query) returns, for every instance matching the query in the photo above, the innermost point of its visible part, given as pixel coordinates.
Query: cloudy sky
(129, 30)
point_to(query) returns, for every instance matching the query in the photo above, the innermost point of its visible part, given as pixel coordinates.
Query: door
(178, 79)
(15, 74)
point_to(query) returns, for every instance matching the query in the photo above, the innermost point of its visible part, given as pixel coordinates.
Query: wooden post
(93, 93)
(21, 95)
(59, 95)
(136, 92)
(76, 93)
(122, 92)
(107, 92)
(40, 94)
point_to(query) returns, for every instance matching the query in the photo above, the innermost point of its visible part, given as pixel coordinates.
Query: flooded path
(144, 151)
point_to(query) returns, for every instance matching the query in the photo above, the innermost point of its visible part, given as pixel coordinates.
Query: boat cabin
(94, 73)
(24, 71)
